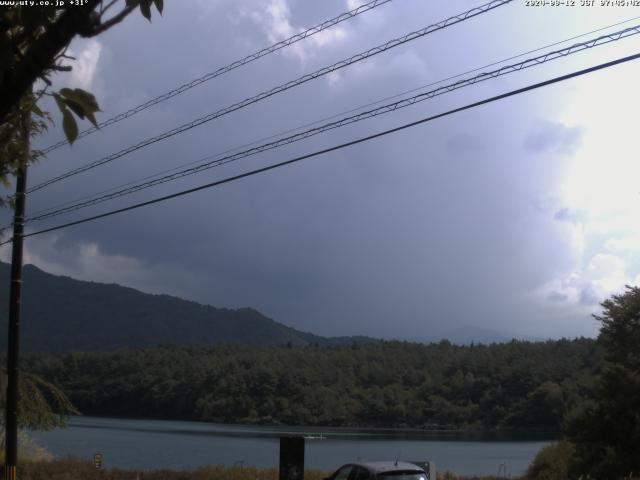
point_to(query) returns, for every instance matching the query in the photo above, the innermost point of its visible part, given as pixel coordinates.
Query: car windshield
(404, 475)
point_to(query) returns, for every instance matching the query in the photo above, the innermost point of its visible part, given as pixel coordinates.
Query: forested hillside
(60, 314)
(512, 385)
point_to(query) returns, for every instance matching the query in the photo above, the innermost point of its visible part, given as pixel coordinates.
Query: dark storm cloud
(464, 142)
(411, 236)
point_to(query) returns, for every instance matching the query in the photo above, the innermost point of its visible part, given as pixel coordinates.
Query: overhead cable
(539, 60)
(319, 121)
(279, 89)
(338, 147)
(227, 68)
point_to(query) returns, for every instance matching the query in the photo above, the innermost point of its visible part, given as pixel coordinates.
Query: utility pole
(11, 420)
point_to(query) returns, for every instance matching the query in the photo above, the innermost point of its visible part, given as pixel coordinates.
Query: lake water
(154, 444)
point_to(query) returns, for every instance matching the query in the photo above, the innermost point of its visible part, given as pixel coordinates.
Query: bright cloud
(624, 243)
(276, 20)
(607, 272)
(279, 25)
(599, 194)
(327, 37)
(87, 261)
(604, 275)
(602, 179)
(86, 63)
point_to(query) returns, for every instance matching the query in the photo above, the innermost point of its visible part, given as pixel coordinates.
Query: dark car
(380, 470)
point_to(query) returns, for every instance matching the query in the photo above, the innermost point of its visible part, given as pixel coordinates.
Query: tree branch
(106, 7)
(111, 22)
(41, 54)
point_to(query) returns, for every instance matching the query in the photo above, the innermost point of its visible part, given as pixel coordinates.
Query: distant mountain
(61, 314)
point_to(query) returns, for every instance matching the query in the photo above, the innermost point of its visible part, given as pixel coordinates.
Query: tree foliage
(552, 462)
(33, 46)
(13, 133)
(42, 405)
(388, 384)
(607, 433)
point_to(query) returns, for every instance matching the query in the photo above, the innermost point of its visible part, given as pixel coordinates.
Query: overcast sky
(519, 216)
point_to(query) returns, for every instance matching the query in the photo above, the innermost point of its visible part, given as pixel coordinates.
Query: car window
(361, 474)
(343, 473)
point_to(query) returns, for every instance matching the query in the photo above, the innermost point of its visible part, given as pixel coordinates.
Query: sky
(514, 219)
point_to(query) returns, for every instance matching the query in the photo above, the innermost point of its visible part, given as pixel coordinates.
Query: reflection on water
(149, 444)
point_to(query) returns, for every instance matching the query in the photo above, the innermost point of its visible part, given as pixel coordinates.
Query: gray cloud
(589, 295)
(557, 297)
(554, 137)
(408, 236)
(569, 215)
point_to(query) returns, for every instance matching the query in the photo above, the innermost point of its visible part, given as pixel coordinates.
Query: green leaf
(92, 119)
(69, 125)
(83, 98)
(145, 8)
(132, 3)
(60, 102)
(159, 5)
(88, 98)
(66, 92)
(35, 109)
(75, 107)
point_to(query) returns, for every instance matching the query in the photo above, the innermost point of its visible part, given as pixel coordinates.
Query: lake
(154, 444)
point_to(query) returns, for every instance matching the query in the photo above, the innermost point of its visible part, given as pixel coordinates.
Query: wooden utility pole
(11, 419)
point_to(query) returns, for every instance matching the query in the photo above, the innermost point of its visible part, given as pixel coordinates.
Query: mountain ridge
(62, 314)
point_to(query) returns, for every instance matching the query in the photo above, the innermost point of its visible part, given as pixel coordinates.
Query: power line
(281, 88)
(316, 122)
(341, 146)
(561, 53)
(227, 68)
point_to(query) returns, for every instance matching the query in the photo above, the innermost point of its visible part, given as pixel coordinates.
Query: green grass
(74, 469)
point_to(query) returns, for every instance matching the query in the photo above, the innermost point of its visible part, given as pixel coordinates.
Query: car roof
(383, 467)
